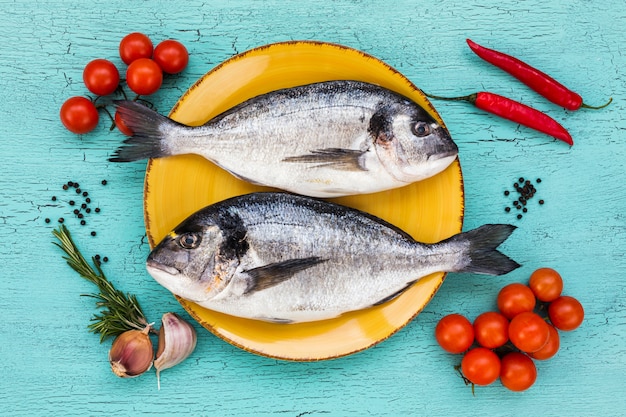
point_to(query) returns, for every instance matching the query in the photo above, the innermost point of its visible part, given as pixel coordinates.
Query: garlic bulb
(131, 353)
(177, 339)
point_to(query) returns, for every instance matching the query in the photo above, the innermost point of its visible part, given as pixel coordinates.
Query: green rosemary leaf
(120, 311)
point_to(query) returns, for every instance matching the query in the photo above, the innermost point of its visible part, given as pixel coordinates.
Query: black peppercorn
(61, 219)
(97, 209)
(525, 190)
(47, 220)
(105, 259)
(54, 198)
(88, 200)
(82, 222)
(93, 233)
(65, 187)
(85, 193)
(72, 202)
(104, 182)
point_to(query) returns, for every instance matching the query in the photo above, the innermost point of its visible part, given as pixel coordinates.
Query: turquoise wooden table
(52, 365)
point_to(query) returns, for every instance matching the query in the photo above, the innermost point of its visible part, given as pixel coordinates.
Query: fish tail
(150, 130)
(484, 258)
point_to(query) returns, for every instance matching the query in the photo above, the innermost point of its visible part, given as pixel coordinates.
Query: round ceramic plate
(175, 187)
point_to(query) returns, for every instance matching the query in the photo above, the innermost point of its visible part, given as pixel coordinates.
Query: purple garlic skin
(131, 353)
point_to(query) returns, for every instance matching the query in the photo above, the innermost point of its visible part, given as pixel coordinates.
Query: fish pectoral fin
(269, 275)
(393, 296)
(338, 158)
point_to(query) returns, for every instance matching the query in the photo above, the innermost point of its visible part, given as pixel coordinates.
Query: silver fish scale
(334, 116)
(365, 260)
(266, 140)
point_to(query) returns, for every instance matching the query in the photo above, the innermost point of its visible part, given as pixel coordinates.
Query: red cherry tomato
(121, 125)
(491, 329)
(134, 46)
(171, 55)
(79, 115)
(546, 284)
(518, 372)
(144, 76)
(101, 77)
(529, 332)
(514, 299)
(481, 366)
(566, 313)
(550, 348)
(454, 333)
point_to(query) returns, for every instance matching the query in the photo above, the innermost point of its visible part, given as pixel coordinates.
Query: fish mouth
(442, 155)
(154, 265)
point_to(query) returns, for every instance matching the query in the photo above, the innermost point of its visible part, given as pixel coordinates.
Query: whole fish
(289, 258)
(325, 139)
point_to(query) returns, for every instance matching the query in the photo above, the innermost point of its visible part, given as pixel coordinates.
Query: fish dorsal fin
(269, 275)
(338, 158)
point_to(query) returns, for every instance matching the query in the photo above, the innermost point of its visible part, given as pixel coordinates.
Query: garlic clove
(177, 340)
(131, 353)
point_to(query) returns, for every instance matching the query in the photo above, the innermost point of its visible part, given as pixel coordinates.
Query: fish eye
(189, 240)
(421, 129)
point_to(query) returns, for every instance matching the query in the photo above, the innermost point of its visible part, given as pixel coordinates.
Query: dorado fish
(325, 139)
(288, 258)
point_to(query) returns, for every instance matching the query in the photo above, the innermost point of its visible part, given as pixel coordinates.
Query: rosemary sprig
(121, 311)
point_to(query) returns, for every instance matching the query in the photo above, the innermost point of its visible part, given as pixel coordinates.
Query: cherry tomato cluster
(503, 344)
(144, 76)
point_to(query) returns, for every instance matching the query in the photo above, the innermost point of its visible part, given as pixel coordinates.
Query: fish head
(188, 261)
(410, 143)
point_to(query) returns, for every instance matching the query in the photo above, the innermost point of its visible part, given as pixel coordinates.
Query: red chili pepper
(539, 81)
(515, 112)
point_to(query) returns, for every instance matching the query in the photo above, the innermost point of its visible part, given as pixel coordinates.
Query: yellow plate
(175, 187)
